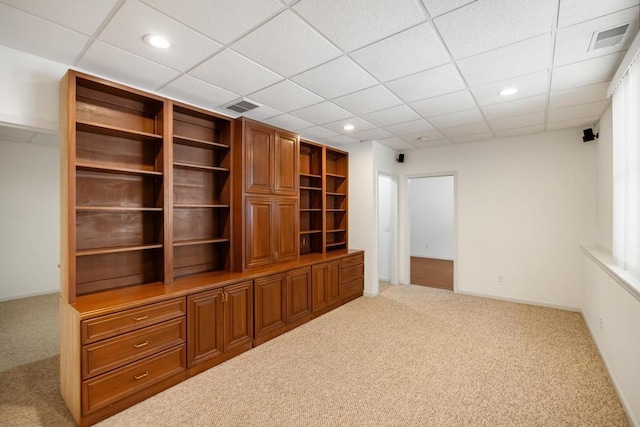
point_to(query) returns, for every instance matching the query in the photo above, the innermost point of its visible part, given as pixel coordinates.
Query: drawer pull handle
(137, 319)
(141, 376)
(141, 344)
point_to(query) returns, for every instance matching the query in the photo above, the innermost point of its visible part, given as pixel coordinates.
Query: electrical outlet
(500, 278)
(601, 321)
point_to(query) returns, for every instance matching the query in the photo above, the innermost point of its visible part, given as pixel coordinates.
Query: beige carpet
(411, 356)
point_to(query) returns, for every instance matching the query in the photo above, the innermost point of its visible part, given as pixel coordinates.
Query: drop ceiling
(406, 73)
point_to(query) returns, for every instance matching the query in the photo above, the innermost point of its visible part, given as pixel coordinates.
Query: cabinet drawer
(351, 288)
(352, 260)
(106, 389)
(352, 273)
(106, 355)
(111, 325)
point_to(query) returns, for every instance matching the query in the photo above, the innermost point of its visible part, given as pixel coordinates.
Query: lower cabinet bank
(122, 346)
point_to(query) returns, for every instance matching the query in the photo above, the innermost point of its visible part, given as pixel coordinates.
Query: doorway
(387, 228)
(432, 231)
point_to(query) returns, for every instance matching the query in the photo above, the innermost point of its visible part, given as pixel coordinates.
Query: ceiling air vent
(242, 106)
(607, 38)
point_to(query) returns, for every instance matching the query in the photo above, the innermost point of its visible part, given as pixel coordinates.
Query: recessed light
(422, 138)
(158, 41)
(508, 91)
(348, 127)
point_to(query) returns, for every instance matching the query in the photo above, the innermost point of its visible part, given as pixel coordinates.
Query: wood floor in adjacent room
(411, 356)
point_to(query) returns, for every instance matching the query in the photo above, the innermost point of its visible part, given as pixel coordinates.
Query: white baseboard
(34, 294)
(521, 301)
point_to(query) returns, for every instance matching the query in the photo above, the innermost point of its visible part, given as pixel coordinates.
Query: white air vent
(608, 38)
(242, 106)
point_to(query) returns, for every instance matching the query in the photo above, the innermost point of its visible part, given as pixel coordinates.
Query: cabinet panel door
(205, 326)
(286, 163)
(319, 296)
(259, 232)
(298, 294)
(238, 315)
(259, 160)
(270, 297)
(287, 226)
(334, 279)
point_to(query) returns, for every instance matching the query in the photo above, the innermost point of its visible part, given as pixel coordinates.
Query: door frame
(405, 230)
(394, 265)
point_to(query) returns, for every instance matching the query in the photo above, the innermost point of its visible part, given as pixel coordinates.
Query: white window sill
(604, 259)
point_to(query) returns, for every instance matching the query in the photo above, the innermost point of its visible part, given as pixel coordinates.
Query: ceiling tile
(134, 20)
(575, 11)
(515, 108)
(579, 95)
(106, 60)
(289, 122)
(528, 86)
(577, 111)
(471, 138)
(341, 140)
(439, 7)
(194, 91)
(430, 144)
(46, 139)
(489, 24)
(234, 72)
(80, 15)
(351, 24)
(286, 45)
(520, 131)
(534, 119)
(427, 84)
(408, 52)
(16, 134)
(422, 137)
(584, 73)
(507, 62)
(335, 78)
(375, 133)
(390, 116)
(572, 44)
(28, 33)
(458, 118)
(222, 20)
(325, 112)
(286, 96)
(317, 133)
(368, 100)
(357, 122)
(395, 143)
(444, 104)
(471, 129)
(585, 121)
(261, 113)
(408, 128)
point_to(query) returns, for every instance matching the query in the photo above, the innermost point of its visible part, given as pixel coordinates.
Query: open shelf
(116, 209)
(198, 242)
(195, 142)
(117, 249)
(310, 175)
(311, 231)
(333, 175)
(311, 188)
(113, 169)
(199, 167)
(210, 206)
(115, 131)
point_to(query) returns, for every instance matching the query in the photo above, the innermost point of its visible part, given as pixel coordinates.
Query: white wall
(431, 216)
(525, 205)
(29, 219)
(384, 227)
(604, 145)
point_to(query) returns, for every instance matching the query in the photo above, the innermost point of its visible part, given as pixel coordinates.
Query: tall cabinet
(265, 195)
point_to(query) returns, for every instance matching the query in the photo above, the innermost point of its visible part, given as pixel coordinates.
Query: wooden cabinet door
(286, 224)
(238, 315)
(298, 294)
(319, 296)
(286, 163)
(333, 281)
(270, 304)
(205, 326)
(259, 248)
(259, 161)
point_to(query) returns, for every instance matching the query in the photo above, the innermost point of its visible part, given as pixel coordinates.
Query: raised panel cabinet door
(270, 308)
(319, 296)
(286, 163)
(238, 315)
(205, 326)
(259, 231)
(333, 281)
(298, 294)
(286, 225)
(259, 146)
